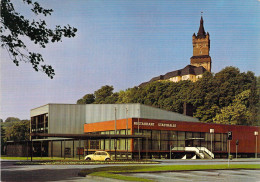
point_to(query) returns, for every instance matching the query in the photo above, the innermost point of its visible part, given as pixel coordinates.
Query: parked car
(99, 156)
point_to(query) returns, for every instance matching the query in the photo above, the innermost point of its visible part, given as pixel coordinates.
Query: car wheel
(107, 159)
(88, 159)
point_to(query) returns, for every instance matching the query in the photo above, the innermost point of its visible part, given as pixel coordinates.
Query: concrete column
(73, 148)
(60, 148)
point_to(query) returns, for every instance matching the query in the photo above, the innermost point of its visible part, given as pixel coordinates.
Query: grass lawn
(120, 172)
(42, 158)
(70, 161)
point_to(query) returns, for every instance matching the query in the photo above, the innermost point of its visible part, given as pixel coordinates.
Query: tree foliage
(237, 112)
(87, 99)
(15, 26)
(105, 95)
(11, 119)
(215, 98)
(3, 139)
(210, 94)
(14, 129)
(19, 131)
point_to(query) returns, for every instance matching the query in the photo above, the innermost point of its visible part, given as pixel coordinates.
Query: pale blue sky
(126, 42)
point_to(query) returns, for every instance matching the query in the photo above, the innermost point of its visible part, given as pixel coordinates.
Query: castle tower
(201, 47)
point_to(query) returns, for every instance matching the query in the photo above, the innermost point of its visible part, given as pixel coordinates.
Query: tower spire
(201, 32)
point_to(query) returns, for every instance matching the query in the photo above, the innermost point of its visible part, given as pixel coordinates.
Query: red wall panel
(245, 134)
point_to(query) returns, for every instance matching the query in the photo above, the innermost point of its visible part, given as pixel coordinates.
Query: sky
(124, 43)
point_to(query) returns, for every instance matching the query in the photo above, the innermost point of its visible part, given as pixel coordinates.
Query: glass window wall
(162, 140)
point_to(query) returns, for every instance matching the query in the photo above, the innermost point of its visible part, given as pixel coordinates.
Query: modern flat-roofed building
(166, 132)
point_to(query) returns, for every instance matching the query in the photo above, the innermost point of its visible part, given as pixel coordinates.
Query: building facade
(166, 132)
(200, 62)
(181, 138)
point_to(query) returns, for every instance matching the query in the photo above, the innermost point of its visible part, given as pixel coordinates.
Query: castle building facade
(200, 62)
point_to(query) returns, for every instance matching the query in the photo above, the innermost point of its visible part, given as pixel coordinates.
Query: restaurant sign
(169, 125)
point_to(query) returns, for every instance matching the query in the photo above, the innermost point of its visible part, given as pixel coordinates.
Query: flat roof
(87, 136)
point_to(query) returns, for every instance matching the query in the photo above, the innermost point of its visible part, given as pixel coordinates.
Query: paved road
(208, 162)
(10, 172)
(212, 175)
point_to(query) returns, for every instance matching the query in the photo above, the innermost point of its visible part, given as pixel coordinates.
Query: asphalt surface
(211, 175)
(11, 172)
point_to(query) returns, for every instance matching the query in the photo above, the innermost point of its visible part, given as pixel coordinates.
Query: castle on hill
(200, 62)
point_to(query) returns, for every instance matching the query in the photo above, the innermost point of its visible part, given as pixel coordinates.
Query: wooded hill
(225, 97)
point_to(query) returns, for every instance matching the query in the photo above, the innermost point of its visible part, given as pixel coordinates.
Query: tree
(111, 99)
(203, 96)
(3, 140)
(237, 112)
(102, 93)
(227, 96)
(11, 119)
(14, 26)
(258, 103)
(19, 131)
(253, 103)
(205, 113)
(229, 83)
(125, 96)
(87, 99)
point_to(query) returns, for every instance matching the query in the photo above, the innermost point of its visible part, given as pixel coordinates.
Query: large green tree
(104, 95)
(211, 93)
(14, 129)
(14, 27)
(11, 119)
(237, 112)
(257, 105)
(87, 99)
(19, 131)
(215, 98)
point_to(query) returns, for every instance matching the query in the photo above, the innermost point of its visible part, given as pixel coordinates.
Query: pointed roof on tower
(201, 32)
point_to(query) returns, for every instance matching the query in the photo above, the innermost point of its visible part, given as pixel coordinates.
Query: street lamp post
(229, 138)
(115, 120)
(170, 151)
(237, 142)
(138, 140)
(211, 133)
(256, 134)
(126, 132)
(115, 142)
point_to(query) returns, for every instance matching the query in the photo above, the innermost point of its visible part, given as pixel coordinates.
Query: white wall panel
(39, 110)
(67, 118)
